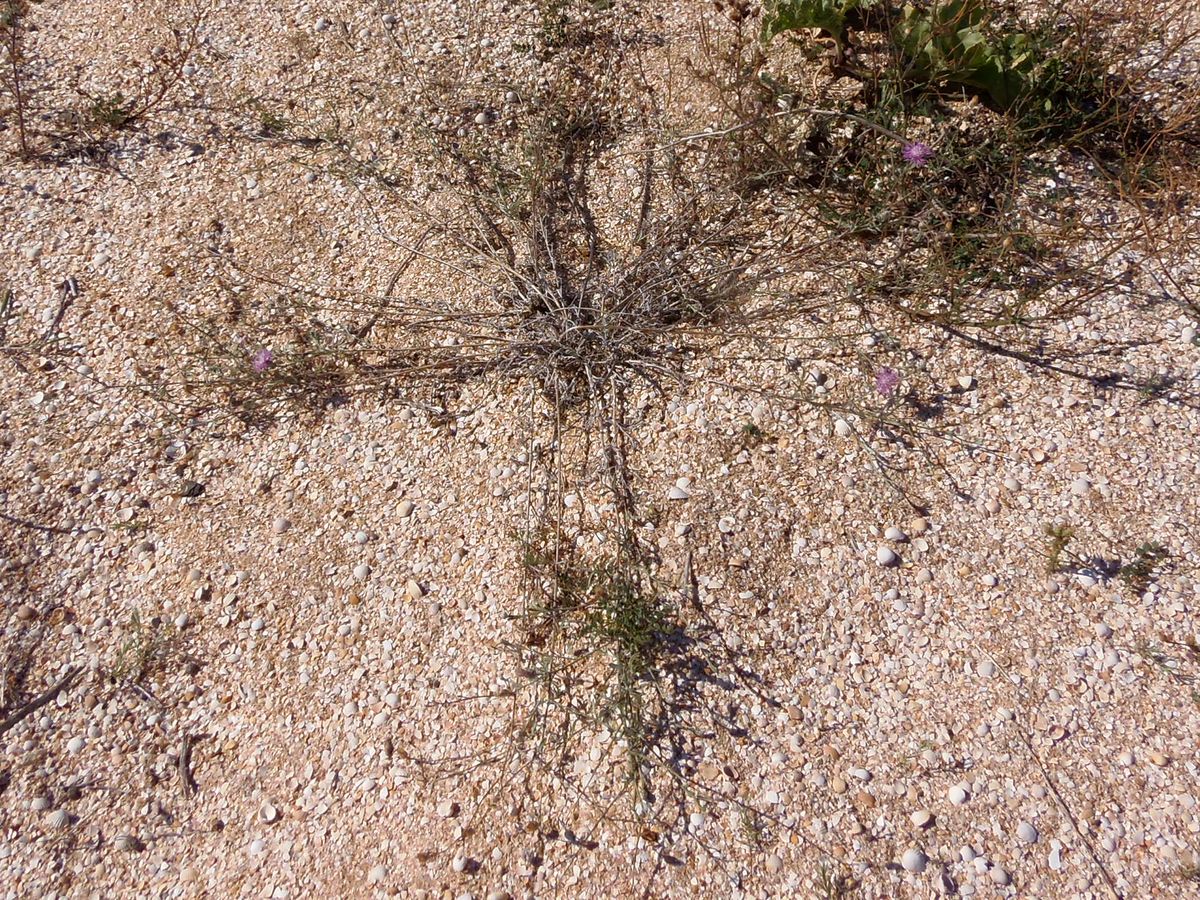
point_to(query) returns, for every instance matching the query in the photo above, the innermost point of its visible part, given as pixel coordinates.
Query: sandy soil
(291, 641)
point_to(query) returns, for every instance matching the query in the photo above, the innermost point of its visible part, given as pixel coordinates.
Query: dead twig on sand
(41, 700)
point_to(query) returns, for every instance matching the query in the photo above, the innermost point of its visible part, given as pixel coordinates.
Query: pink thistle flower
(886, 381)
(917, 153)
(262, 360)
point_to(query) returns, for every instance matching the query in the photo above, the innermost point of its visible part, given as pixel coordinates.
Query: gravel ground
(288, 645)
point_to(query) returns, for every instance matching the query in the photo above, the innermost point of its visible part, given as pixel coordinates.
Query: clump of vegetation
(55, 128)
(1058, 538)
(1045, 68)
(599, 623)
(148, 648)
(944, 153)
(1138, 572)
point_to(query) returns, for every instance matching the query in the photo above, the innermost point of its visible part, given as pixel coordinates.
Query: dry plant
(52, 126)
(593, 240)
(14, 77)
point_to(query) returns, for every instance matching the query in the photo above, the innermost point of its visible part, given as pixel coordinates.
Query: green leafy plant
(111, 110)
(831, 16)
(949, 42)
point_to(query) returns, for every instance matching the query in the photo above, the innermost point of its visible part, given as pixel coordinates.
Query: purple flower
(917, 153)
(886, 381)
(261, 360)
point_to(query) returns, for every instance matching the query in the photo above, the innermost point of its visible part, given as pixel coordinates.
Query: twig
(42, 699)
(186, 781)
(53, 529)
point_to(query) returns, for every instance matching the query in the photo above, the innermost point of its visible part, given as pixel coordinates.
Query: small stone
(914, 861)
(377, 874)
(447, 809)
(405, 509)
(838, 785)
(1027, 833)
(1080, 486)
(26, 613)
(281, 525)
(885, 556)
(922, 818)
(350, 709)
(957, 795)
(918, 525)
(258, 846)
(774, 864)
(75, 745)
(361, 572)
(413, 590)
(268, 813)
(999, 875)
(987, 668)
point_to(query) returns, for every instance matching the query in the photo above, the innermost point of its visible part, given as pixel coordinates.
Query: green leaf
(828, 15)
